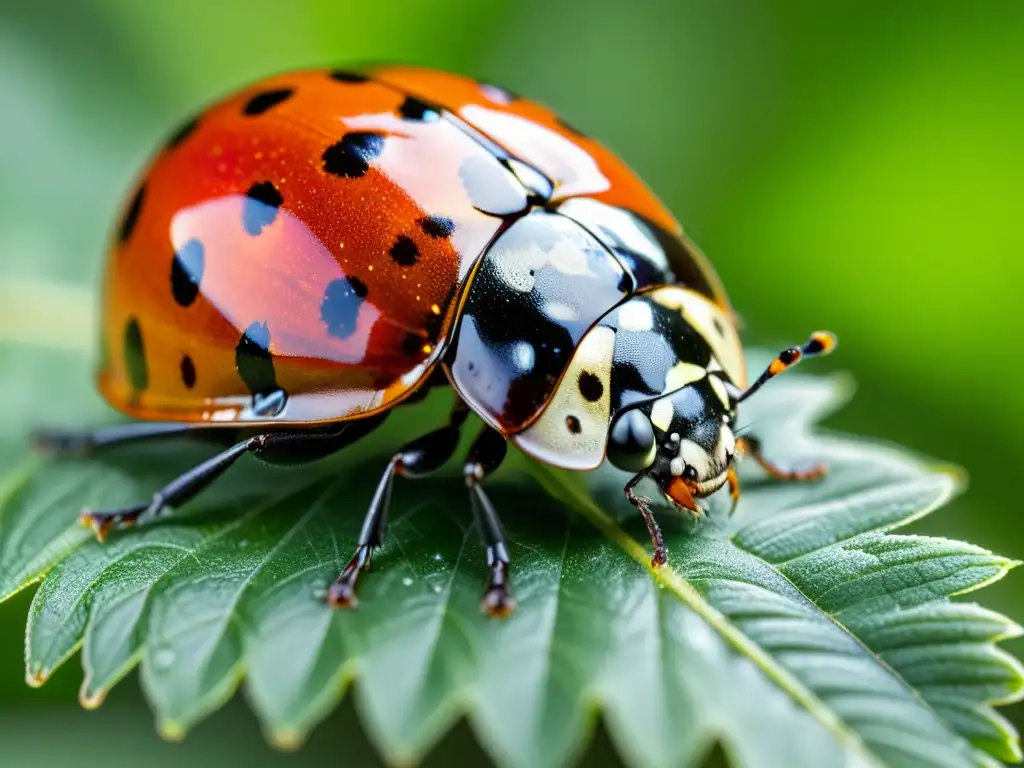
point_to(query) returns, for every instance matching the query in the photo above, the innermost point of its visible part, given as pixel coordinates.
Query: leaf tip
(35, 676)
(957, 474)
(286, 740)
(402, 759)
(90, 699)
(171, 730)
(1011, 631)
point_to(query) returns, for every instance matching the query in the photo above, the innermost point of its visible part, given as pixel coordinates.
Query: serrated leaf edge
(584, 505)
(12, 483)
(667, 576)
(1013, 629)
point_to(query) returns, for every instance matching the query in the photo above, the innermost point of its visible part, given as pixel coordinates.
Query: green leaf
(800, 631)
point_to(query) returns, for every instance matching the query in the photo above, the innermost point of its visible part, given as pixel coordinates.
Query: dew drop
(437, 556)
(437, 589)
(407, 581)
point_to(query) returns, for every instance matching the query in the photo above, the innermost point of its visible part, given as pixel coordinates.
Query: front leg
(734, 488)
(644, 505)
(752, 447)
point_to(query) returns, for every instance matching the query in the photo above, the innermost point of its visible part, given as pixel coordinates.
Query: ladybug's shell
(306, 236)
(300, 251)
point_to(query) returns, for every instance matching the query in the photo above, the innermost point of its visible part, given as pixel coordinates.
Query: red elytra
(314, 233)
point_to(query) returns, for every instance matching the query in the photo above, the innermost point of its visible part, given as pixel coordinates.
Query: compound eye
(631, 444)
(690, 473)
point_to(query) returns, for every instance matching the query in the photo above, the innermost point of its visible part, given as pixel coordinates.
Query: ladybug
(316, 249)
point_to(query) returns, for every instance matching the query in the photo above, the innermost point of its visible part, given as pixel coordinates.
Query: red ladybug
(314, 250)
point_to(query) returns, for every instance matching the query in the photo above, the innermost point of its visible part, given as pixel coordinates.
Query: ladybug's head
(683, 441)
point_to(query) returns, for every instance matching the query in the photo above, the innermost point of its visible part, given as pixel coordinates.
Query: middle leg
(417, 459)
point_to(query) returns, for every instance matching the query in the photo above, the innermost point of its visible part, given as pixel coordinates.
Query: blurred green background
(851, 165)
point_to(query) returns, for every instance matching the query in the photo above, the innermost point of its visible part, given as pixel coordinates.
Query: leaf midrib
(913, 691)
(685, 592)
(1004, 565)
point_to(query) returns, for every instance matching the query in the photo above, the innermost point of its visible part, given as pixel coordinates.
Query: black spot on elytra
(261, 102)
(573, 425)
(561, 121)
(188, 372)
(254, 362)
(131, 216)
(350, 158)
(412, 345)
(347, 76)
(183, 132)
(414, 109)
(187, 272)
(590, 386)
(437, 226)
(404, 251)
(717, 322)
(340, 306)
(260, 207)
(135, 356)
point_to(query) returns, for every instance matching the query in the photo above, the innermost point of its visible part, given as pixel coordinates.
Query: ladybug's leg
(84, 444)
(752, 447)
(179, 491)
(485, 456)
(644, 505)
(417, 459)
(734, 488)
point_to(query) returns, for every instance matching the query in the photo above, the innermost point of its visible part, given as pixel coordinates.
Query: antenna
(820, 343)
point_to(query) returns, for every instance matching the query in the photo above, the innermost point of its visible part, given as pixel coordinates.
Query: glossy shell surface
(295, 254)
(303, 250)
